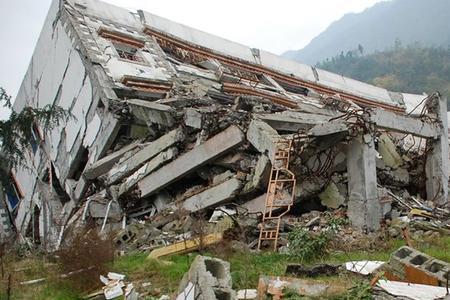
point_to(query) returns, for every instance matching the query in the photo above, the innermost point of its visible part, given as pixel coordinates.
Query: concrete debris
(274, 287)
(177, 126)
(413, 291)
(114, 286)
(209, 279)
(409, 265)
(363, 267)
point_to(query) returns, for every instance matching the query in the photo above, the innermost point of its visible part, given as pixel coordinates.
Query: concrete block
(190, 161)
(260, 175)
(193, 118)
(211, 278)
(331, 197)
(213, 196)
(388, 152)
(128, 166)
(256, 205)
(263, 137)
(409, 265)
(151, 112)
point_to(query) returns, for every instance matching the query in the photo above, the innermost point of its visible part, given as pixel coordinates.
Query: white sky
(276, 26)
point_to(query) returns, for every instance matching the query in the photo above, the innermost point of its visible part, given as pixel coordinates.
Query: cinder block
(409, 265)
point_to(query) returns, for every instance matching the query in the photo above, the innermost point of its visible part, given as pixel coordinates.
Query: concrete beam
(436, 166)
(328, 128)
(151, 112)
(403, 124)
(190, 161)
(213, 196)
(128, 166)
(147, 168)
(105, 164)
(293, 121)
(363, 207)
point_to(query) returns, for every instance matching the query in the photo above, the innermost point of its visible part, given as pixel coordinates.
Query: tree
(17, 131)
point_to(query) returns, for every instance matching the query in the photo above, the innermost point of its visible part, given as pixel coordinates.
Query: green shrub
(305, 246)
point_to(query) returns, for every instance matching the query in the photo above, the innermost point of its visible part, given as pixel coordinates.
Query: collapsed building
(167, 117)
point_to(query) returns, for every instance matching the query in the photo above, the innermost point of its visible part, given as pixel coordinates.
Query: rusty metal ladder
(280, 194)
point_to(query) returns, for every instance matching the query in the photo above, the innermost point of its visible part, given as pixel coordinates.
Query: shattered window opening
(13, 193)
(128, 52)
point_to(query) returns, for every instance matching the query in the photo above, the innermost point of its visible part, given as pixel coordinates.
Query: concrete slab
(293, 121)
(105, 164)
(147, 168)
(151, 112)
(404, 124)
(213, 196)
(128, 166)
(190, 161)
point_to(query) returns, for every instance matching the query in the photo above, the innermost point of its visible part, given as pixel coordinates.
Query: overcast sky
(275, 26)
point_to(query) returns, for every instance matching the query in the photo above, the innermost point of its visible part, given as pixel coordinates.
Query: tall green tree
(16, 132)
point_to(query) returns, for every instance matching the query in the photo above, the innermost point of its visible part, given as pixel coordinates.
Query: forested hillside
(412, 69)
(376, 29)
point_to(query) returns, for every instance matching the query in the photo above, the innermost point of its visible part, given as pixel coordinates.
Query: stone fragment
(263, 137)
(331, 197)
(388, 152)
(211, 278)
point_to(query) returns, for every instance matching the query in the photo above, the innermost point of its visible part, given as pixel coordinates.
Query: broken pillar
(436, 167)
(191, 160)
(363, 207)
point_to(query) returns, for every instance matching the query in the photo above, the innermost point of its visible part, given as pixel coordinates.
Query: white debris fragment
(115, 276)
(364, 267)
(413, 291)
(247, 294)
(188, 293)
(113, 290)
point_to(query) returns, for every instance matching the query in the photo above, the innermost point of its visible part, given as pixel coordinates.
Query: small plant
(360, 291)
(305, 246)
(336, 222)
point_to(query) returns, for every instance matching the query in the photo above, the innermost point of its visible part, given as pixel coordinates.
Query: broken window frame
(121, 41)
(13, 191)
(124, 53)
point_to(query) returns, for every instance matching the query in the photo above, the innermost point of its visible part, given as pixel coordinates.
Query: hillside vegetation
(377, 28)
(411, 69)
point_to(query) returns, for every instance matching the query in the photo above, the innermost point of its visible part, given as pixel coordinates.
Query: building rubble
(173, 124)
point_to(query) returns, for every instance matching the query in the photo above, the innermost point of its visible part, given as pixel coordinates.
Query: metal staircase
(280, 194)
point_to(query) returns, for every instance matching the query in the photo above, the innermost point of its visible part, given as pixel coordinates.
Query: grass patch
(165, 274)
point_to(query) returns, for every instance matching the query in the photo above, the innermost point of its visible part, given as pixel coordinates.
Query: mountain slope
(406, 69)
(378, 28)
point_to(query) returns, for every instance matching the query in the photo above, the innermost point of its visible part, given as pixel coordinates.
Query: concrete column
(363, 207)
(436, 167)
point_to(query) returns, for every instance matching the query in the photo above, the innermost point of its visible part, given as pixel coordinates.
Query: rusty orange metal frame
(197, 52)
(120, 37)
(146, 85)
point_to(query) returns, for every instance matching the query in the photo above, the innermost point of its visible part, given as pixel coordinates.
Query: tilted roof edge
(318, 79)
